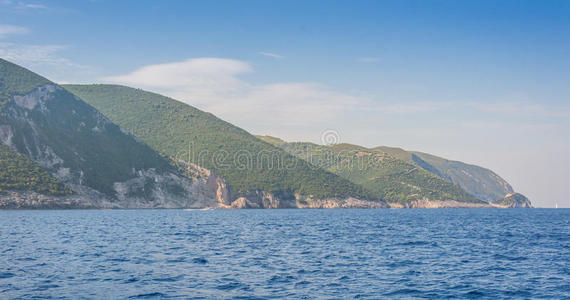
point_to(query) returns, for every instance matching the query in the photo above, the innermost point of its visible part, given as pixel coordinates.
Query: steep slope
(479, 182)
(259, 174)
(391, 178)
(104, 166)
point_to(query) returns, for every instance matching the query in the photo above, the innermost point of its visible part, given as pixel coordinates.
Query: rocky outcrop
(29, 200)
(308, 202)
(514, 200)
(261, 199)
(151, 189)
(427, 203)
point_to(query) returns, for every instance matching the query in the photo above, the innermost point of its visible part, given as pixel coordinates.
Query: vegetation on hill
(479, 182)
(388, 177)
(68, 134)
(19, 172)
(186, 134)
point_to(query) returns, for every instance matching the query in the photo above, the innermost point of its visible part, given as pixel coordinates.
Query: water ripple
(302, 254)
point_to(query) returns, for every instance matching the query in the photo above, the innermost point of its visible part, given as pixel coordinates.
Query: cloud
(273, 55)
(302, 109)
(32, 6)
(369, 59)
(35, 54)
(23, 5)
(210, 73)
(47, 60)
(6, 30)
(214, 84)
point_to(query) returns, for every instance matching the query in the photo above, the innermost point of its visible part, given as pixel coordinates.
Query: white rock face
(39, 96)
(168, 190)
(6, 135)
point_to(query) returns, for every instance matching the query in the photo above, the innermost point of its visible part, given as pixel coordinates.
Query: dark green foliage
(390, 178)
(18, 172)
(185, 133)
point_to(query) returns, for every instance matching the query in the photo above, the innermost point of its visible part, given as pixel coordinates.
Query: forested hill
(185, 133)
(391, 178)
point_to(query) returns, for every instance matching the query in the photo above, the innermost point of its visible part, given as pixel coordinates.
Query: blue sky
(485, 82)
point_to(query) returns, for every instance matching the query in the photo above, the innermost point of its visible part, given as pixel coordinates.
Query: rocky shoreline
(253, 200)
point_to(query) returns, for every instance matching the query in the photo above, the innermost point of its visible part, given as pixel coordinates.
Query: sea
(293, 254)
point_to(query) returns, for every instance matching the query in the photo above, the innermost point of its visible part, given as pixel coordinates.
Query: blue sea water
(416, 253)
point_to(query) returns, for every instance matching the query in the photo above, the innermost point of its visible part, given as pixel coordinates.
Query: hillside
(514, 200)
(18, 172)
(480, 182)
(186, 134)
(82, 148)
(391, 178)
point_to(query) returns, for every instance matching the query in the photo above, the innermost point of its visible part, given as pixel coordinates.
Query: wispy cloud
(6, 30)
(31, 5)
(23, 5)
(273, 55)
(34, 54)
(206, 76)
(369, 59)
(48, 60)
(214, 84)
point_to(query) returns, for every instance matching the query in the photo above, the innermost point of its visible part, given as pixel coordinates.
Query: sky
(484, 82)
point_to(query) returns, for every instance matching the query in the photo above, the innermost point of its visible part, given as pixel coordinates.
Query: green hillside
(18, 172)
(393, 179)
(53, 127)
(185, 133)
(479, 182)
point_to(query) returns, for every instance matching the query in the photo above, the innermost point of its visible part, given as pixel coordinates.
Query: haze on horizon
(484, 82)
